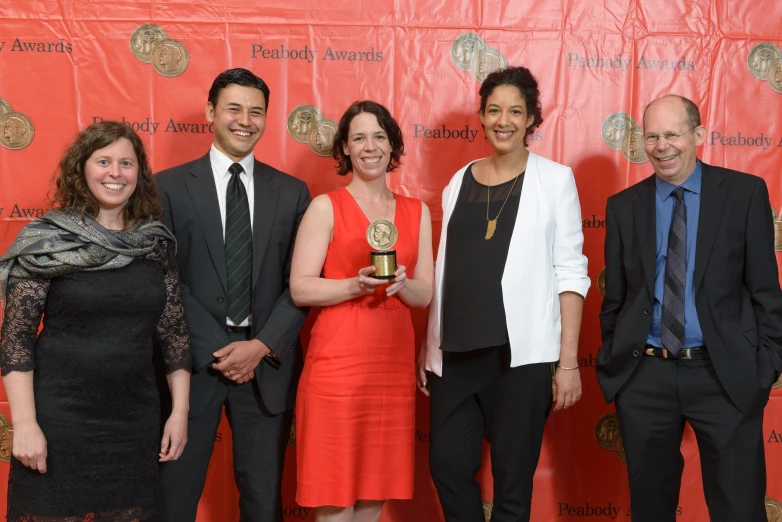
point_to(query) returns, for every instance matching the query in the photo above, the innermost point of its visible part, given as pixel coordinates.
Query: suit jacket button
(220, 299)
(646, 311)
(636, 353)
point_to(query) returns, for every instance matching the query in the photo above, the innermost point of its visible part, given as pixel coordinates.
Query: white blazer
(544, 260)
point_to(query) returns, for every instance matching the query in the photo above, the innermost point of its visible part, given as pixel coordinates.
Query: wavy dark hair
(525, 82)
(71, 190)
(386, 122)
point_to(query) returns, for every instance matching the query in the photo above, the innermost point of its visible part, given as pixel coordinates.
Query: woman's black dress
(96, 398)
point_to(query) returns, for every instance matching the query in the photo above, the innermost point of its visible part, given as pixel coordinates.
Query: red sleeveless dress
(355, 410)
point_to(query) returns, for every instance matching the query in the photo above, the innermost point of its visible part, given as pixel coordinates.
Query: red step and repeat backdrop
(67, 63)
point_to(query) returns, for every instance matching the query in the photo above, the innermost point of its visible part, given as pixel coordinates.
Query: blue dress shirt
(664, 203)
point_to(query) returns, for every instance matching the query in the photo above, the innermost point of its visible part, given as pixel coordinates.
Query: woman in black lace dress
(101, 271)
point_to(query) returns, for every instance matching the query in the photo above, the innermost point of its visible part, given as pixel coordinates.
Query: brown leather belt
(685, 353)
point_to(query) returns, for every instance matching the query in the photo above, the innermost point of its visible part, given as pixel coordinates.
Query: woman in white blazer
(510, 280)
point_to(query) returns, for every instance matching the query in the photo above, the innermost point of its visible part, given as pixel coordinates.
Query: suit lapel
(203, 194)
(712, 197)
(644, 211)
(265, 210)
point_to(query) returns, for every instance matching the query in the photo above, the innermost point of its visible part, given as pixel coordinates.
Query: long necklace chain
(491, 224)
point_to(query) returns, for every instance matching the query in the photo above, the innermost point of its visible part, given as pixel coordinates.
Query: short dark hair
(386, 122)
(692, 111)
(238, 76)
(71, 190)
(525, 82)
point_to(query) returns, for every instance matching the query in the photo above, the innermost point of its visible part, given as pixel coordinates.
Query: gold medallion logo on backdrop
(150, 44)
(765, 63)
(5, 107)
(608, 436)
(621, 132)
(470, 53)
(16, 129)
(306, 124)
(601, 281)
(777, 229)
(773, 510)
(6, 438)
(292, 434)
(487, 507)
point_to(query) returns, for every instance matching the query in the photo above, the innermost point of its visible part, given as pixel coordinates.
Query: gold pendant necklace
(491, 224)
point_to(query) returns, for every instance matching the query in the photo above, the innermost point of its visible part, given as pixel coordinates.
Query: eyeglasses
(670, 137)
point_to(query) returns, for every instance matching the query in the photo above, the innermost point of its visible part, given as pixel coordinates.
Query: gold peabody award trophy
(382, 236)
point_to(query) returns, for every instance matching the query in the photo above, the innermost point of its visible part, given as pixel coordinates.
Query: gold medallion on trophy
(614, 129)
(321, 137)
(143, 40)
(301, 120)
(760, 59)
(170, 58)
(5, 107)
(16, 130)
(775, 75)
(382, 235)
(633, 145)
(464, 48)
(486, 62)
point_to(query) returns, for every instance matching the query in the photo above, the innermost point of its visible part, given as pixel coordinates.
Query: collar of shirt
(693, 183)
(221, 163)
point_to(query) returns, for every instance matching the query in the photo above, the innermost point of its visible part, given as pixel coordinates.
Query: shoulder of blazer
(632, 192)
(730, 176)
(172, 174)
(550, 169)
(286, 181)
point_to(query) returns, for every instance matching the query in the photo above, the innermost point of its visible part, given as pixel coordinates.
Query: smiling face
(505, 118)
(368, 146)
(239, 120)
(112, 174)
(673, 161)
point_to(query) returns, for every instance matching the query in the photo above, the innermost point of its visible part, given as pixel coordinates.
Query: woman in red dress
(355, 408)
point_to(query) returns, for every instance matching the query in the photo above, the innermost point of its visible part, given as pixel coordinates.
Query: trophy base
(384, 263)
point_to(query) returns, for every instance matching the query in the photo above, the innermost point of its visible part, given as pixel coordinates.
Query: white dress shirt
(220, 165)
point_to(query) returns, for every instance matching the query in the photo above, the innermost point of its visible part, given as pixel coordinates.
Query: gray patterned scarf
(59, 243)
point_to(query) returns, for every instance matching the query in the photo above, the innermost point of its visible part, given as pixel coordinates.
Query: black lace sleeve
(172, 334)
(21, 318)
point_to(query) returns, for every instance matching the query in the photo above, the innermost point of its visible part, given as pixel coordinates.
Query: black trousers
(652, 408)
(511, 409)
(259, 440)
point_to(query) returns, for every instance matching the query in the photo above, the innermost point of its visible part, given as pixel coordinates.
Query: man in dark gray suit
(235, 221)
(691, 322)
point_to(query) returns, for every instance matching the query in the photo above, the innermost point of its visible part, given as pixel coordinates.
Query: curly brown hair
(71, 190)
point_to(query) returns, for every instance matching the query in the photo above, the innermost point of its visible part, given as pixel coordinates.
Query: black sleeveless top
(473, 309)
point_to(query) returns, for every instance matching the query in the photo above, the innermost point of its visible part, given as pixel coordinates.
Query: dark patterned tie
(675, 276)
(238, 247)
